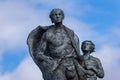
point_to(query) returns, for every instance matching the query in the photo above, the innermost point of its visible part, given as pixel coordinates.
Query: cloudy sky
(96, 20)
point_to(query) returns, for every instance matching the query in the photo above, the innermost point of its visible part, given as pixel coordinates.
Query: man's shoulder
(68, 28)
(38, 31)
(45, 27)
(70, 31)
(49, 30)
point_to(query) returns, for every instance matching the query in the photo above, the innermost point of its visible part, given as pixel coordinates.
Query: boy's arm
(100, 71)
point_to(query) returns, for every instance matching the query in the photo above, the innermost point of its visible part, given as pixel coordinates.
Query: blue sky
(90, 19)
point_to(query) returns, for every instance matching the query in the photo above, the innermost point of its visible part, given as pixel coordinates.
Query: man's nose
(58, 15)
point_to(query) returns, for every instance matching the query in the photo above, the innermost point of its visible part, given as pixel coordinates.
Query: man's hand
(89, 67)
(42, 57)
(89, 72)
(39, 57)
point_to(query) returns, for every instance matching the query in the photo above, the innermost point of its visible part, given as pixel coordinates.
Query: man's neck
(58, 24)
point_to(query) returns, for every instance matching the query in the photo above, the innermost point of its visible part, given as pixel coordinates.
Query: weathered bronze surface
(55, 50)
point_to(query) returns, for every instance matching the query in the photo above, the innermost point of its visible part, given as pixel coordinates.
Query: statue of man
(54, 49)
(91, 63)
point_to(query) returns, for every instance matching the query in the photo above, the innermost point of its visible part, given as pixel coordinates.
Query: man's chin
(58, 21)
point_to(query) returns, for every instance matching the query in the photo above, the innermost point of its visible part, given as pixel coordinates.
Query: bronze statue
(91, 63)
(55, 49)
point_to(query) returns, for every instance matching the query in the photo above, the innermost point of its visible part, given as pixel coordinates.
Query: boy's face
(87, 46)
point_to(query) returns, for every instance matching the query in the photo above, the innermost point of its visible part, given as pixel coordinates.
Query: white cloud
(18, 18)
(110, 37)
(109, 57)
(27, 70)
(1, 54)
(83, 30)
(109, 52)
(70, 7)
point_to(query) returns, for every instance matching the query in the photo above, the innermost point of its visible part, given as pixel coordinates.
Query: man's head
(88, 46)
(56, 15)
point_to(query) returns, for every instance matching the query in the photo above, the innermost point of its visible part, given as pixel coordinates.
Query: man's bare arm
(41, 49)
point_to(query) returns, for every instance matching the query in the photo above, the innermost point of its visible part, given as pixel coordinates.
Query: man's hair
(92, 45)
(53, 11)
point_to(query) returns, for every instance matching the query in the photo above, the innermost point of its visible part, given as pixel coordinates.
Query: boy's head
(88, 46)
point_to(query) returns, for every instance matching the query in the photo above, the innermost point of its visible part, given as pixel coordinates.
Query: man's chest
(58, 37)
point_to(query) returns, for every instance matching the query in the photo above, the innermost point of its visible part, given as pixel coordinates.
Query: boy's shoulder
(95, 58)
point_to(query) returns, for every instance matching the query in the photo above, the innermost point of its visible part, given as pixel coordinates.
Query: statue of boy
(90, 63)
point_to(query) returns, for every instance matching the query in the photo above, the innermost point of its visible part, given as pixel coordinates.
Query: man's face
(57, 17)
